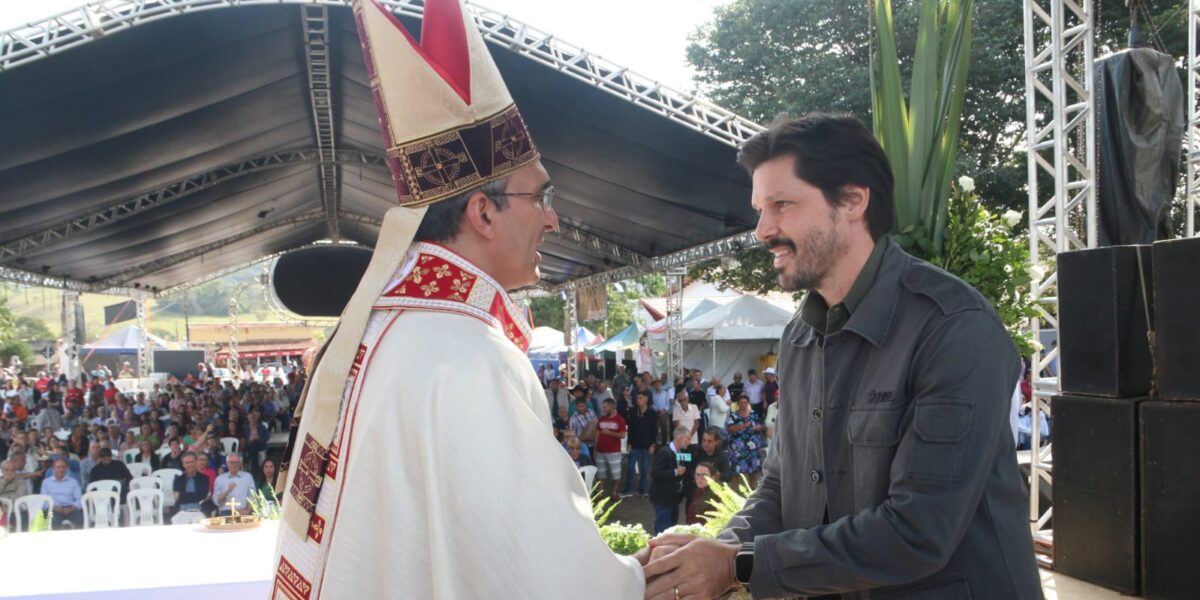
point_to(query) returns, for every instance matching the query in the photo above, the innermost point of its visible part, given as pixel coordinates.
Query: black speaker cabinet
(1103, 349)
(1176, 298)
(1170, 499)
(1096, 517)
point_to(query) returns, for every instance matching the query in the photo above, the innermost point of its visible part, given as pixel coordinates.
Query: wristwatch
(743, 564)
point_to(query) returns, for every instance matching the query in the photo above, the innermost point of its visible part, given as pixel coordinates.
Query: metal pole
(70, 349)
(570, 324)
(144, 361)
(675, 323)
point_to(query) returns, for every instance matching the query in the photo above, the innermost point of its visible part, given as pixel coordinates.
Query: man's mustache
(775, 242)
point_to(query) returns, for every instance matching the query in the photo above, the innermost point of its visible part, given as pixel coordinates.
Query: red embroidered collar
(436, 279)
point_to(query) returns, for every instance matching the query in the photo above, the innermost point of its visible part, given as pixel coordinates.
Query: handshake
(682, 566)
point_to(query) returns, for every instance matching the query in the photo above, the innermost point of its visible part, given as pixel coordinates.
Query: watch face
(743, 566)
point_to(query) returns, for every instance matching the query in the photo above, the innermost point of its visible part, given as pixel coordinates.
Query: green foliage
(920, 133)
(621, 539)
(265, 506)
(761, 58)
(983, 249)
(602, 505)
(753, 272)
(29, 329)
(8, 322)
(9, 348)
(547, 311)
(624, 539)
(729, 501)
(39, 522)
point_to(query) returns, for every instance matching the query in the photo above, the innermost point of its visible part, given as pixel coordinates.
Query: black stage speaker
(1103, 349)
(319, 281)
(1170, 499)
(1176, 299)
(1096, 516)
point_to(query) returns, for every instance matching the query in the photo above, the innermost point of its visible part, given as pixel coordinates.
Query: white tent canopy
(747, 318)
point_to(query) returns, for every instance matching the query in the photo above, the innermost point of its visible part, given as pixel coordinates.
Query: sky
(647, 36)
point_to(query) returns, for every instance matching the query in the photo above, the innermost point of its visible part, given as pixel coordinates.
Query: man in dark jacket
(892, 472)
(666, 479)
(643, 431)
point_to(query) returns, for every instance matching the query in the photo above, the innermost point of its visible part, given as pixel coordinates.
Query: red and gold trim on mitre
(448, 121)
(436, 279)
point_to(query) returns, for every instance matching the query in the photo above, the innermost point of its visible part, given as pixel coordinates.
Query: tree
(29, 329)
(10, 344)
(761, 58)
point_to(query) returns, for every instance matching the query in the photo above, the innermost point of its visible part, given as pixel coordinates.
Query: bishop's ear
(480, 215)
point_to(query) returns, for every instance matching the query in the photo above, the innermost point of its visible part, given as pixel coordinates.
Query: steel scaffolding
(675, 323)
(1060, 143)
(570, 329)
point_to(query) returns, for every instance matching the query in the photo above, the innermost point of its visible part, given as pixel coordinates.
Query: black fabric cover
(318, 281)
(1140, 122)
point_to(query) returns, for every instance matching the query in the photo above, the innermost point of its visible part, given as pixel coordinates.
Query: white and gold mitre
(448, 121)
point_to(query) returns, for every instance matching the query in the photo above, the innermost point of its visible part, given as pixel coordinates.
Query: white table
(164, 562)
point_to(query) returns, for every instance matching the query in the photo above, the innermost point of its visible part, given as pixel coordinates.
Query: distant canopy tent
(731, 338)
(627, 339)
(125, 340)
(119, 346)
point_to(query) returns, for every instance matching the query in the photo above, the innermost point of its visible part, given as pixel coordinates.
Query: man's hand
(698, 570)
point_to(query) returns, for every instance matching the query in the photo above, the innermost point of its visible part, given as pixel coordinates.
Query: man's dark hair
(831, 151)
(609, 401)
(644, 393)
(444, 218)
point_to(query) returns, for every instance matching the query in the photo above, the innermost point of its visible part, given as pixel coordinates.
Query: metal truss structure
(683, 258)
(145, 362)
(102, 18)
(16, 250)
(675, 322)
(570, 329)
(234, 309)
(70, 345)
(1192, 139)
(1060, 141)
(316, 50)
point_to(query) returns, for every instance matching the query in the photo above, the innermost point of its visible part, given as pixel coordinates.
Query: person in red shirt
(73, 399)
(610, 430)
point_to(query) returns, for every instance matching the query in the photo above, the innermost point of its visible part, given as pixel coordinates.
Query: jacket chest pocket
(875, 425)
(874, 434)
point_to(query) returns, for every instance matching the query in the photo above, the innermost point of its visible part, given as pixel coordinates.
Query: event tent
(627, 339)
(731, 338)
(125, 340)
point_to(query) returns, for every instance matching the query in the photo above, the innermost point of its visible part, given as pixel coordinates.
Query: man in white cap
(403, 480)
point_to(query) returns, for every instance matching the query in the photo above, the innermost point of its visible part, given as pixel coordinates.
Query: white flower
(1008, 268)
(1012, 217)
(1036, 273)
(966, 184)
(1037, 345)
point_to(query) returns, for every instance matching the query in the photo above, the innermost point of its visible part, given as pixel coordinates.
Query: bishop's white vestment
(444, 479)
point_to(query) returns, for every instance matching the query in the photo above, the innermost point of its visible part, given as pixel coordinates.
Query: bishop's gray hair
(443, 219)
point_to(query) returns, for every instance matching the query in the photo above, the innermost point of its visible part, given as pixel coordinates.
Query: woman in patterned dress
(745, 440)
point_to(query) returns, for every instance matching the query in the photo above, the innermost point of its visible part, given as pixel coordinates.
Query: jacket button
(815, 476)
(816, 415)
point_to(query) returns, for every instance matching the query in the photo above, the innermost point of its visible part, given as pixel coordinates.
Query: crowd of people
(649, 437)
(57, 435)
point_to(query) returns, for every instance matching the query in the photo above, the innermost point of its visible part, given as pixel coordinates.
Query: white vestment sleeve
(473, 496)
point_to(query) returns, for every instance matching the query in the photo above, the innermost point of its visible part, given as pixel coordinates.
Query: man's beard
(810, 264)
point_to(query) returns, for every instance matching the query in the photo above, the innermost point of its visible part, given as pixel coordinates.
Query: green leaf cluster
(989, 254)
(11, 342)
(39, 522)
(729, 501)
(621, 539)
(920, 132)
(265, 506)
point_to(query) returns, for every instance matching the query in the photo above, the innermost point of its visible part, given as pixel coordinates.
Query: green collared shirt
(827, 320)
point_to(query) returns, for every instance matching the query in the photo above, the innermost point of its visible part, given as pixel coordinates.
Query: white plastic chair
(167, 479)
(145, 507)
(131, 456)
(589, 476)
(104, 485)
(149, 481)
(6, 508)
(139, 469)
(161, 452)
(137, 431)
(100, 509)
(29, 504)
(230, 444)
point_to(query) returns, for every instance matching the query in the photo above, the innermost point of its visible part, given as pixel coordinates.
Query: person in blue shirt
(67, 496)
